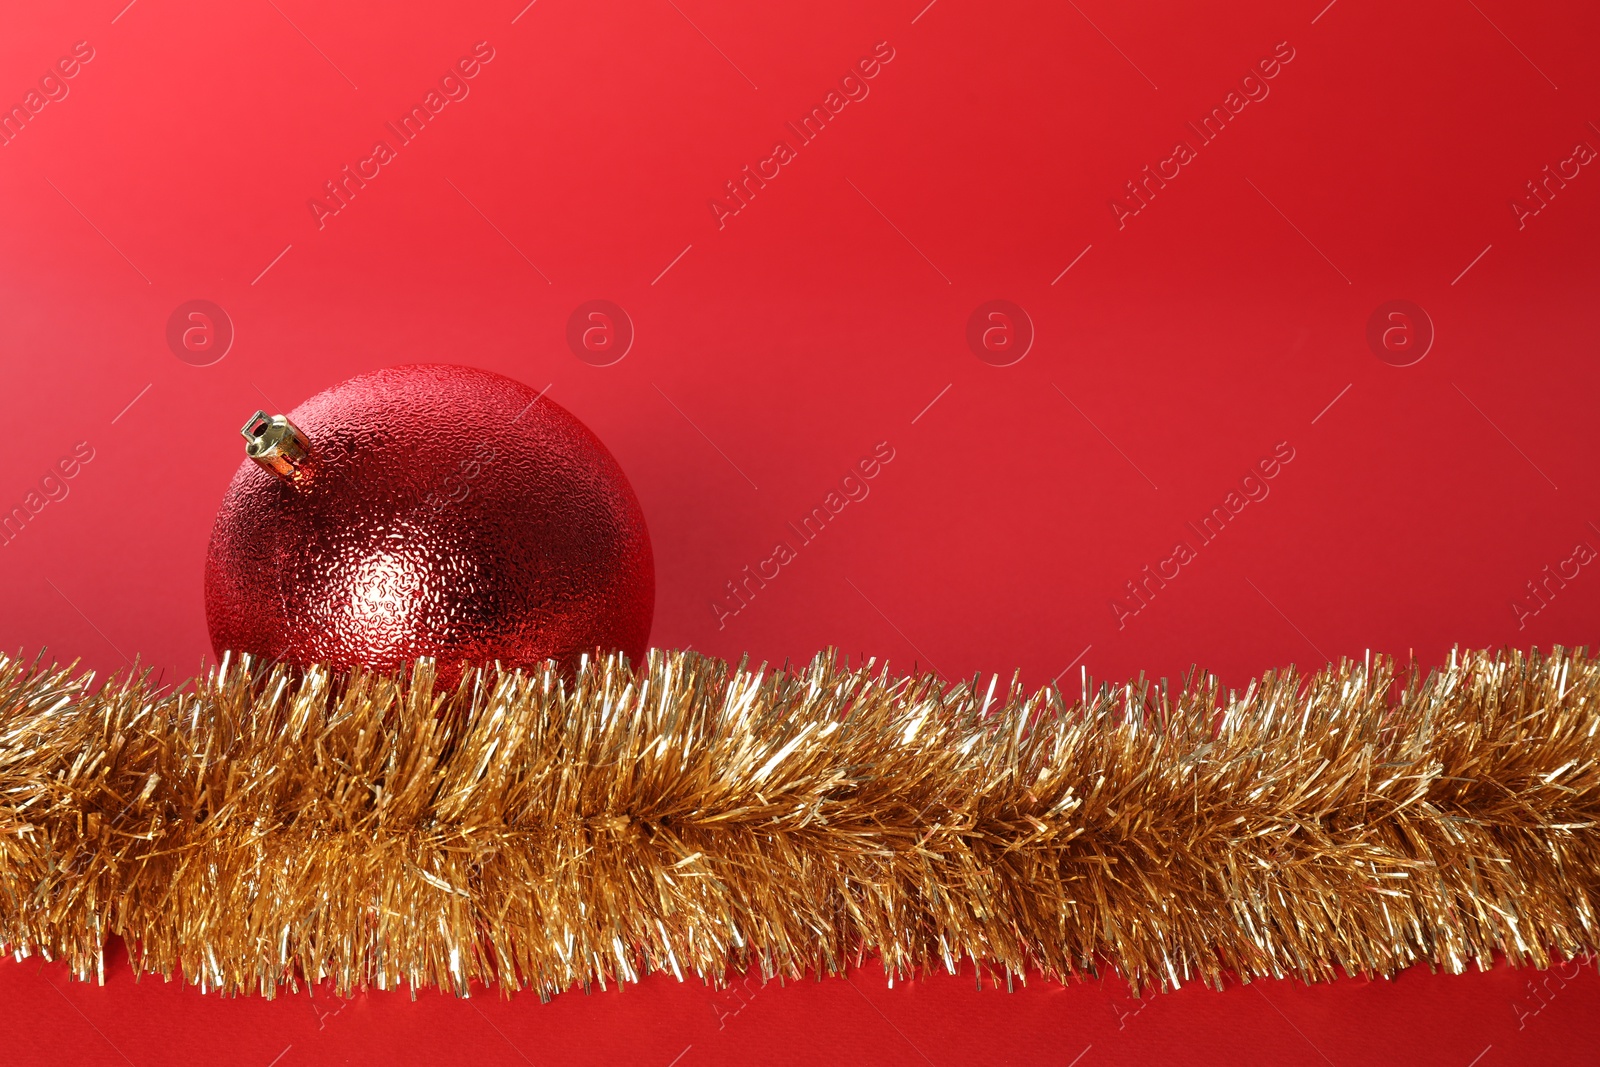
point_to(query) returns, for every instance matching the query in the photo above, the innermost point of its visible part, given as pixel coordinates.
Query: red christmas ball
(428, 510)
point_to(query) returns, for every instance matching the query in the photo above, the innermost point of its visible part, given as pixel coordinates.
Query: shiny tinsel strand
(259, 828)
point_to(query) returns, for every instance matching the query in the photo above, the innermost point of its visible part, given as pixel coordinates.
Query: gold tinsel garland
(261, 827)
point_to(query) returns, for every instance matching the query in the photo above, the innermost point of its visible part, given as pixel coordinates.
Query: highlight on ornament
(263, 827)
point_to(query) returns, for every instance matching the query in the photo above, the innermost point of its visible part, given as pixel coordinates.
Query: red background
(824, 317)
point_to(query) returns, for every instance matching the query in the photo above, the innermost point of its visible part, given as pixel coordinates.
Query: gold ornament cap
(277, 444)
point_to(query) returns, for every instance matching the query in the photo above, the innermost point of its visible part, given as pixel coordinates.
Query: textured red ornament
(436, 511)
